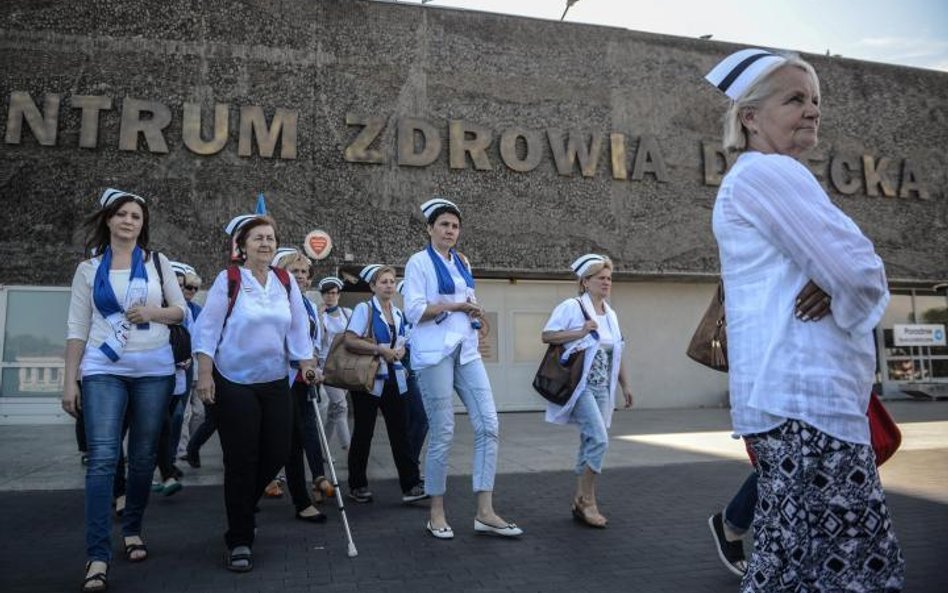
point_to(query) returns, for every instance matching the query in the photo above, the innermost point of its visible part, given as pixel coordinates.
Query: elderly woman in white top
(334, 318)
(799, 387)
(590, 325)
(117, 345)
(253, 326)
(441, 306)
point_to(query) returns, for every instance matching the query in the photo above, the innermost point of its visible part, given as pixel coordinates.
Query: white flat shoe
(508, 530)
(443, 533)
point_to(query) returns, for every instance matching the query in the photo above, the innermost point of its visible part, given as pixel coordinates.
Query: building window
(32, 337)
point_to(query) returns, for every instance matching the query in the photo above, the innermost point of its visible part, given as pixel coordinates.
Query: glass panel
(32, 381)
(35, 329)
(940, 368)
(933, 309)
(527, 328)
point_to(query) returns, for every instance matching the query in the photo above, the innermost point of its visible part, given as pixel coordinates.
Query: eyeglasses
(191, 287)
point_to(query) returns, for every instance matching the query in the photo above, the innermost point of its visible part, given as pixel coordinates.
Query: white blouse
(777, 229)
(332, 326)
(264, 333)
(430, 341)
(147, 352)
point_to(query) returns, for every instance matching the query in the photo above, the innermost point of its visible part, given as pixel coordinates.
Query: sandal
(98, 580)
(324, 487)
(240, 559)
(585, 511)
(130, 550)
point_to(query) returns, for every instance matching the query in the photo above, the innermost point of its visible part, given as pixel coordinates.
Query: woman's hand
(590, 326)
(388, 354)
(205, 388)
(812, 303)
(400, 353)
(629, 400)
(71, 401)
(311, 373)
(140, 314)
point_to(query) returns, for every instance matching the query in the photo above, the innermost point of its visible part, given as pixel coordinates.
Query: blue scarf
(331, 310)
(313, 318)
(103, 296)
(383, 336)
(445, 282)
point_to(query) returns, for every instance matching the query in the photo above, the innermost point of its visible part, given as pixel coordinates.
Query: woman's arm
(562, 337)
(624, 385)
(71, 401)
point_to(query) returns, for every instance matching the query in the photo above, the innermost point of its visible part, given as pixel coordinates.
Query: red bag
(883, 432)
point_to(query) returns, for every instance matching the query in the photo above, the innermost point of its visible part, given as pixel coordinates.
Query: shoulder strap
(161, 277)
(579, 302)
(233, 288)
(284, 278)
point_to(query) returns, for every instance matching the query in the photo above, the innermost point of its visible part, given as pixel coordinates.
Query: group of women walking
(799, 383)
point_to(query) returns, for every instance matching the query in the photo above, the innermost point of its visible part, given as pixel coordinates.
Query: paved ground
(666, 471)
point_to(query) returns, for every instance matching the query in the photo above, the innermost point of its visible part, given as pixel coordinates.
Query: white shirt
(777, 229)
(147, 352)
(359, 325)
(430, 342)
(332, 326)
(265, 331)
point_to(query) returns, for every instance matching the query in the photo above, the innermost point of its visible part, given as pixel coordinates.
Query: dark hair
(241, 238)
(443, 210)
(98, 235)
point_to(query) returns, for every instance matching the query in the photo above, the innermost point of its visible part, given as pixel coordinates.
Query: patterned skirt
(821, 522)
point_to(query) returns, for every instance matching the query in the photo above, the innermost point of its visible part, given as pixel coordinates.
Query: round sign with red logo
(317, 244)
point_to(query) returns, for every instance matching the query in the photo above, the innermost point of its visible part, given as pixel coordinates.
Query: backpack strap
(284, 278)
(233, 285)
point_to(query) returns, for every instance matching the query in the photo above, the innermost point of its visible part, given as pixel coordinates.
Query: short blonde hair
(192, 279)
(593, 270)
(735, 134)
(291, 258)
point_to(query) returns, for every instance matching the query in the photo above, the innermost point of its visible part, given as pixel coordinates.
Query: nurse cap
(329, 282)
(281, 253)
(736, 73)
(400, 287)
(433, 204)
(181, 269)
(111, 194)
(236, 223)
(368, 272)
(583, 263)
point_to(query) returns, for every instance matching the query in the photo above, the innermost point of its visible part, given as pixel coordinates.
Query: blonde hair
(735, 134)
(592, 271)
(291, 258)
(193, 280)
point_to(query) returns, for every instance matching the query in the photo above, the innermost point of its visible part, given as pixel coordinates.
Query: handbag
(178, 336)
(350, 370)
(883, 431)
(556, 381)
(709, 343)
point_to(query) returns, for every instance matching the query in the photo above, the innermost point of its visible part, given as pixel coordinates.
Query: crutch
(315, 394)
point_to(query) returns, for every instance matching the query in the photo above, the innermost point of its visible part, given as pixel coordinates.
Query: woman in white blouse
(117, 346)
(799, 386)
(389, 391)
(589, 324)
(253, 326)
(442, 308)
(334, 408)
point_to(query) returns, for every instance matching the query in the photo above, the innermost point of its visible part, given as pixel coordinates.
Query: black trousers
(365, 408)
(254, 423)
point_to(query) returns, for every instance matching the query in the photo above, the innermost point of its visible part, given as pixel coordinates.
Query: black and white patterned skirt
(821, 522)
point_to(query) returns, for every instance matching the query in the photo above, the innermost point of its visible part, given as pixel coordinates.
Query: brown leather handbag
(709, 342)
(350, 370)
(556, 381)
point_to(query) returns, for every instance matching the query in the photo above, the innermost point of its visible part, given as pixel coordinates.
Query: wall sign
(929, 334)
(317, 244)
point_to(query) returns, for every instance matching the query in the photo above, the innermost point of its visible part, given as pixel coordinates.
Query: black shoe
(730, 553)
(177, 473)
(240, 559)
(360, 495)
(193, 458)
(416, 493)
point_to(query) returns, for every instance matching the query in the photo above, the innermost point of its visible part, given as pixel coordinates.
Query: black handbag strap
(579, 301)
(161, 277)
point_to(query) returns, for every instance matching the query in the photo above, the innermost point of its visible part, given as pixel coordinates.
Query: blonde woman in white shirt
(441, 306)
(334, 317)
(799, 386)
(117, 346)
(253, 327)
(589, 324)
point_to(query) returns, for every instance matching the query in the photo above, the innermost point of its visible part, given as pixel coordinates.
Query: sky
(903, 32)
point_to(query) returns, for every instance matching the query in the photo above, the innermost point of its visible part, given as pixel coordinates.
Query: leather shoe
(508, 530)
(443, 533)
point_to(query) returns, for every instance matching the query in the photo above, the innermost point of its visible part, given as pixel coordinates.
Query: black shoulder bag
(556, 381)
(178, 335)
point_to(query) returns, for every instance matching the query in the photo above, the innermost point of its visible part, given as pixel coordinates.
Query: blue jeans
(739, 514)
(105, 400)
(417, 419)
(470, 381)
(593, 437)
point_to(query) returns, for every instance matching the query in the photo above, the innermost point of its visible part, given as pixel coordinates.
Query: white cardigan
(567, 316)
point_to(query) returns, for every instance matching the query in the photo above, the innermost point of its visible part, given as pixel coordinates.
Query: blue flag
(261, 205)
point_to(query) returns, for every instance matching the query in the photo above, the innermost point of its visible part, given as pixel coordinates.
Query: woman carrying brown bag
(589, 324)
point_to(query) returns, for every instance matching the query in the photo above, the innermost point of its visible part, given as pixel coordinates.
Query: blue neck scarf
(331, 310)
(313, 318)
(103, 296)
(380, 327)
(445, 282)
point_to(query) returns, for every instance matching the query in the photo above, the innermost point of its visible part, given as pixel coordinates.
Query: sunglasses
(191, 287)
